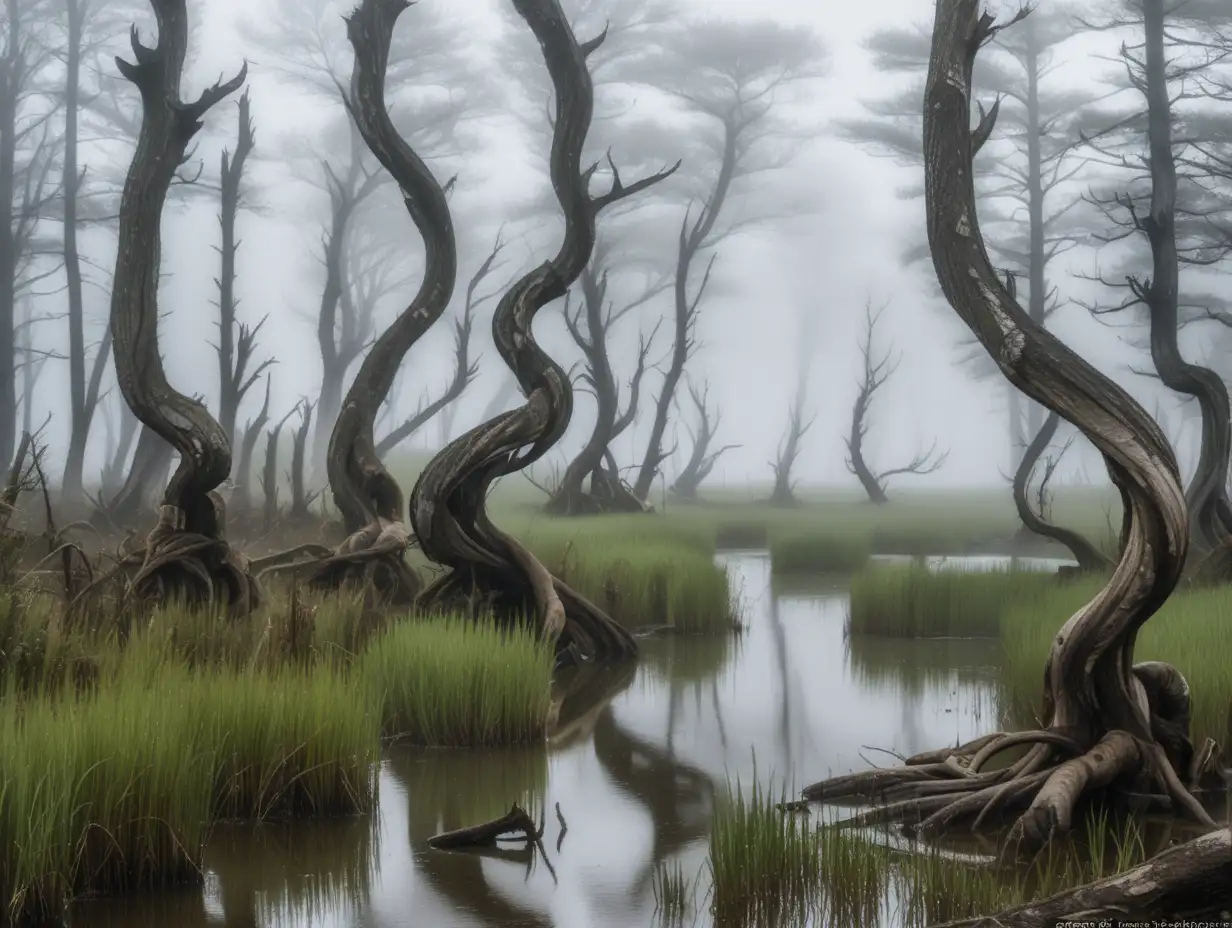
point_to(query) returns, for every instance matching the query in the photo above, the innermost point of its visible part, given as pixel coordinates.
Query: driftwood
(515, 821)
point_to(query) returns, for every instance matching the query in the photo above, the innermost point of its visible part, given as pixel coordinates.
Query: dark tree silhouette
(366, 495)
(488, 569)
(784, 492)
(186, 555)
(875, 371)
(702, 457)
(1107, 719)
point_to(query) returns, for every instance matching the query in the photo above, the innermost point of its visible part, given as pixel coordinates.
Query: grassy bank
(769, 868)
(115, 790)
(915, 602)
(1191, 632)
(820, 552)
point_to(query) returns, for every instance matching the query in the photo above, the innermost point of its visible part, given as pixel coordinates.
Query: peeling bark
(1089, 557)
(486, 568)
(186, 555)
(1100, 710)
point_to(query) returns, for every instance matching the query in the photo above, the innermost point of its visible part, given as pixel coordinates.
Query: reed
(820, 552)
(914, 602)
(453, 682)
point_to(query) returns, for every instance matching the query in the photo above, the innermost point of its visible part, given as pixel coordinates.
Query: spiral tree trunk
(1109, 722)
(186, 555)
(488, 570)
(367, 496)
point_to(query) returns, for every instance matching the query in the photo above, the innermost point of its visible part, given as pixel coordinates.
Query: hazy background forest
(824, 215)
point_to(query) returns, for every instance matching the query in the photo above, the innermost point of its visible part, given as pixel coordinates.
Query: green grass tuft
(820, 552)
(454, 682)
(914, 602)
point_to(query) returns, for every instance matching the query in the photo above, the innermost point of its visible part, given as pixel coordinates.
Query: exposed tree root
(372, 558)
(1189, 881)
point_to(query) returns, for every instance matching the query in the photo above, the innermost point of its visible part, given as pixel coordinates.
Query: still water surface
(635, 778)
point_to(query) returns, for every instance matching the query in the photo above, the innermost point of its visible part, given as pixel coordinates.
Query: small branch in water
(514, 821)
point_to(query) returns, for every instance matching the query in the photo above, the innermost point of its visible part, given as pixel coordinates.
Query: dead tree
(701, 459)
(242, 473)
(1036, 519)
(784, 492)
(236, 340)
(875, 372)
(486, 568)
(269, 471)
(464, 369)
(1109, 723)
(186, 555)
(570, 496)
(366, 495)
(301, 496)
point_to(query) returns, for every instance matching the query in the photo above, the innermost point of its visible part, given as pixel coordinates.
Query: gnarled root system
(372, 559)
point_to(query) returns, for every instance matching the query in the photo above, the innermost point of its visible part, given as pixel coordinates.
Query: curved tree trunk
(368, 498)
(1108, 721)
(186, 555)
(1089, 557)
(1207, 498)
(487, 568)
(701, 459)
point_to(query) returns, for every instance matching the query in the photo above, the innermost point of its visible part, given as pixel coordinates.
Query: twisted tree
(488, 569)
(1108, 721)
(367, 496)
(875, 371)
(186, 555)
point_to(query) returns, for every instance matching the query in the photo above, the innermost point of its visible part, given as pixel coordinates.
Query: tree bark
(1089, 557)
(186, 554)
(486, 567)
(368, 498)
(1102, 713)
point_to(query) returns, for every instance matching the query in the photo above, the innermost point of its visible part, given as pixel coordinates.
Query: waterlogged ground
(634, 777)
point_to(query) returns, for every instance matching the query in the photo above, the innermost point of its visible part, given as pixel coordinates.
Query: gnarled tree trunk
(368, 498)
(186, 554)
(1107, 720)
(488, 569)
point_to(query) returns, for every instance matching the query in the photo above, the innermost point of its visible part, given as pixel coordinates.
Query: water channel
(635, 778)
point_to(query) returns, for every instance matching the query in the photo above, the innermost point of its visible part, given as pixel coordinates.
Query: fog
(831, 231)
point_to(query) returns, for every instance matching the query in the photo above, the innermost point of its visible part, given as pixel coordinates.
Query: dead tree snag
(186, 555)
(701, 459)
(1108, 722)
(876, 370)
(367, 496)
(784, 492)
(487, 569)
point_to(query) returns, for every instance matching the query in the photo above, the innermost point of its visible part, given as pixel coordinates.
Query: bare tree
(206, 570)
(1107, 720)
(784, 491)
(238, 370)
(702, 457)
(1170, 218)
(729, 76)
(488, 569)
(876, 369)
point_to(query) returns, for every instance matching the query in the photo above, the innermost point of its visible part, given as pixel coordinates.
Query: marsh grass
(771, 868)
(820, 552)
(115, 790)
(674, 894)
(1191, 632)
(454, 683)
(652, 584)
(915, 602)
